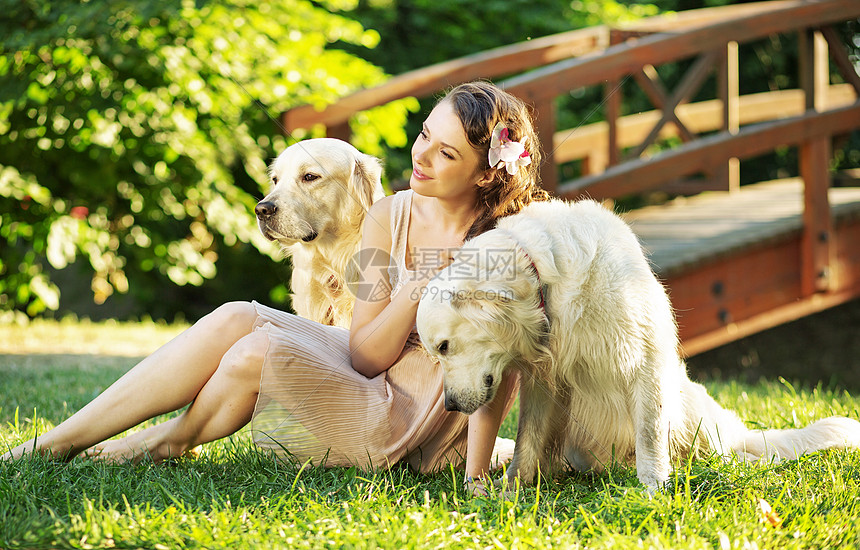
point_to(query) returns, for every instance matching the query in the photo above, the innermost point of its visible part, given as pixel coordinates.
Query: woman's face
(444, 164)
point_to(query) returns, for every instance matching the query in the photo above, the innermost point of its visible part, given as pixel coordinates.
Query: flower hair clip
(504, 152)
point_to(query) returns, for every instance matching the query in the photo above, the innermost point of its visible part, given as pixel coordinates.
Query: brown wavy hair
(480, 106)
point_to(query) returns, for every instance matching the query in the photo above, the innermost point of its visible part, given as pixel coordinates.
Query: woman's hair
(480, 106)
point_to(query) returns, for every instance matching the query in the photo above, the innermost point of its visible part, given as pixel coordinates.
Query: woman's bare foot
(503, 452)
(30, 448)
(19, 451)
(152, 443)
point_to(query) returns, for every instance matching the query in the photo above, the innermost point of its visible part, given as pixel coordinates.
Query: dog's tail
(835, 432)
(727, 434)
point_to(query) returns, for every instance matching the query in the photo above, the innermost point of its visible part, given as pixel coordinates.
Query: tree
(135, 134)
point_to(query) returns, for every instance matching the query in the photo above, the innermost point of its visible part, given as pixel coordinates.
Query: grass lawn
(235, 496)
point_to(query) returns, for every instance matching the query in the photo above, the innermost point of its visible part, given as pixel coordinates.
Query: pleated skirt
(314, 407)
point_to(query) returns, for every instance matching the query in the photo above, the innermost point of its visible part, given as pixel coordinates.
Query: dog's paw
(523, 474)
(507, 487)
(653, 484)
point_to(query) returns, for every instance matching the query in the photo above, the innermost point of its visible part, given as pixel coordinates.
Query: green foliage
(134, 135)
(417, 33)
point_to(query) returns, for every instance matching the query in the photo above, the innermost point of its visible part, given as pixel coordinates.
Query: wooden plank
(506, 60)
(778, 315)
(687, 232)
(339, 131)
(613, 93)
(814, 166)
(649, 82)
(623, 59)
(700, 333)
(814, 69)
(640, 175)
(744, 274)
(720, 295)
(695, 18)
(728, 90)
(846, 262)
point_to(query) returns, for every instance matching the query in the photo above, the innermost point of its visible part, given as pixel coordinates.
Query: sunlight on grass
(73, 336)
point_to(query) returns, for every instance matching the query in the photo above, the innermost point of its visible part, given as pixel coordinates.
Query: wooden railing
(715, 46)
(503, 61)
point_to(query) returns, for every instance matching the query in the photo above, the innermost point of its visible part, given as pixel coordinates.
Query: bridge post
(543, 112)
(728, 174)
(339, 131)
(613, 96)
(816, 244)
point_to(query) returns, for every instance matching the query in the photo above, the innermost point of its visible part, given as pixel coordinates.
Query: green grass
(235, 496)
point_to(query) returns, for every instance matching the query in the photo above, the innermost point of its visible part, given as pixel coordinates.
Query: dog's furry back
(598, 286)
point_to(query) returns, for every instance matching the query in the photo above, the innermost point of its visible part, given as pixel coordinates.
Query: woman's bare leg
(224, 405)
(165, 381)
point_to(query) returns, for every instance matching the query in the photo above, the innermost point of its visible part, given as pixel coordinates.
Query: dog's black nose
(451, 404)
(265, 209)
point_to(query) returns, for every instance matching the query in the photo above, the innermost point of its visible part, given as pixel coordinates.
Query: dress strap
(400, 213)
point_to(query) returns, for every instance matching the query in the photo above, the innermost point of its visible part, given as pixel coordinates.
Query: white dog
(321, 191)
(563, 293)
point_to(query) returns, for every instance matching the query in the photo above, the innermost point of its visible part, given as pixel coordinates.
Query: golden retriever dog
(563, 292)
(321, 191)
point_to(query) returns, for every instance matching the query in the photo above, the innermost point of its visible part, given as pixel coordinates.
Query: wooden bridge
(737, 259)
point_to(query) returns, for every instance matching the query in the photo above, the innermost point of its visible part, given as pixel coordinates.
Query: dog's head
(481, 315)
(319, 188)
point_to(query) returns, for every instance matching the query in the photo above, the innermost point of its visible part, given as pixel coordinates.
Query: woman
(367, 396)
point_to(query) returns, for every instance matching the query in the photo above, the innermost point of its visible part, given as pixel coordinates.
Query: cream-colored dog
(563, 293)
(321, 191)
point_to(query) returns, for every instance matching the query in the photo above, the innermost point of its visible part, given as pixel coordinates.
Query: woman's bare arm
(483, 428)
(380, 324)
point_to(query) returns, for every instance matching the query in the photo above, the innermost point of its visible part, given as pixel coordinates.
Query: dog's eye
(274, 181)
(309, 177)
(488, 380)
(443, 347)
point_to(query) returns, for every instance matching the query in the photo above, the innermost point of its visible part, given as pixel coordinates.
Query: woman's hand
(477, 487)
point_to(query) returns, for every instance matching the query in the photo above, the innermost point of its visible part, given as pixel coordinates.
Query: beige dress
(313, 405)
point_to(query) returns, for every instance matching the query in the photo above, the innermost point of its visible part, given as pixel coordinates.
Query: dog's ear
(484, 298)
(365, 182)
(462, 299)
(515, 322)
